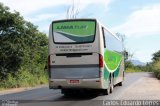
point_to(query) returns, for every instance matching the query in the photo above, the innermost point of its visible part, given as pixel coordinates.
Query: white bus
(83, 54)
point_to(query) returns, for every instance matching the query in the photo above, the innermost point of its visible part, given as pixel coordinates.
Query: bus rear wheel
(107, 91)
(111, 84)
(67, 92)
(120, 84)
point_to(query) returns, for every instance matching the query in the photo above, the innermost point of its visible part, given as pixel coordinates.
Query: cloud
(41, 17)
(144, 55)
(40, 11)
(143, 22)
(26, 7)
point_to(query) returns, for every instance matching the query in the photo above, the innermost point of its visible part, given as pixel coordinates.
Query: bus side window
(104, 41)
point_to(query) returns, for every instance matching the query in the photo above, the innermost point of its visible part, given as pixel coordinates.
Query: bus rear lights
(100, 61)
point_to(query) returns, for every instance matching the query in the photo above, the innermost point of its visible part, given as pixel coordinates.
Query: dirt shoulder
(16, 90)
(146, 88)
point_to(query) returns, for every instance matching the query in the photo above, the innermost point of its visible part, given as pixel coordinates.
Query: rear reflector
(100, 61)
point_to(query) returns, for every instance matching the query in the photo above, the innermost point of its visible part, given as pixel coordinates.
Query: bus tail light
(100, 61)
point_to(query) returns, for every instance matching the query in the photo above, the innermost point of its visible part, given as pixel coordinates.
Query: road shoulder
(22, 89)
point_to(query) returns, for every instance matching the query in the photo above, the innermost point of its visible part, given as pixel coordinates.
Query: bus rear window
(74, 31)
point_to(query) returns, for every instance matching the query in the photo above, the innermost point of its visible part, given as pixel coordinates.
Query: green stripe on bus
(106, 72)
(116, 72)
(77, 38)
(112, 60)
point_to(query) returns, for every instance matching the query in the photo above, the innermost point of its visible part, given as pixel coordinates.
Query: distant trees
(153, 66)
(22, 46)
(156, 64)
(156, 56)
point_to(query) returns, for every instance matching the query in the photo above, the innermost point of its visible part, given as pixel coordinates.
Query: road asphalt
(142, 86)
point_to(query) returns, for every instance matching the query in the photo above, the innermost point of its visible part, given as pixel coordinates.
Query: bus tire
(66, 92)
(107, 91)
(111, 84)
(120, 84)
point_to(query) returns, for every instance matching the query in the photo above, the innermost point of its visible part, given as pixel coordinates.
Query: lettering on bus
(83, 46)
(63, 46)
(72, 27)
(75, 46)
(66, 50)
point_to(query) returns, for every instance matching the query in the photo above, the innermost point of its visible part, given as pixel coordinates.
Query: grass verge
(157, 73)
(131, 70)
(24, 79)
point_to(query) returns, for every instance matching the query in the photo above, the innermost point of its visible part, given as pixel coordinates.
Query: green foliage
(24, 79)
(133, 70)
(129, 67)
(128, 64)
(10, 37)
(23, 51)
(156, 64)
(149, 67)
(156, 68)
(156, 56)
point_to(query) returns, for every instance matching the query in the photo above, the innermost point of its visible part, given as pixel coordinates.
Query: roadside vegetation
(156, 64)
(153, 66)
(129, 67)
(23, 51)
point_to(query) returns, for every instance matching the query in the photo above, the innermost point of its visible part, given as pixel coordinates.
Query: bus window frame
(70, 21)
(104, 41)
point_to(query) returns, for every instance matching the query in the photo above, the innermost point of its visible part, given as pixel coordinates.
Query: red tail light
(100, 61)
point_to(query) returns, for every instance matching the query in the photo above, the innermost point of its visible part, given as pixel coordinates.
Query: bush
(24, 79)
(132, 70)
(157, 73)
(156, 68)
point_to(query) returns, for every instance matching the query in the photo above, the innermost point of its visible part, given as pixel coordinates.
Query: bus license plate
(74, 82)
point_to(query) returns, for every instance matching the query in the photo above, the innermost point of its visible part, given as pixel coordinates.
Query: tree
(21, 44)
(156, 64)
(11, 52)
(129, 64)
(156, 56)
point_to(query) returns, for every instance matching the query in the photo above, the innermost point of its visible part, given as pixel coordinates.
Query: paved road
(137, 86)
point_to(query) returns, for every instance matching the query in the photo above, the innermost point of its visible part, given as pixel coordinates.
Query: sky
(138, 20)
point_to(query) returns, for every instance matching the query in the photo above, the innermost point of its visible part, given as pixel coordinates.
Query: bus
(84, 54)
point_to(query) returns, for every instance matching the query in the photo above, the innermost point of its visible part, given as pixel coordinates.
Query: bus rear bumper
(82, 83)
